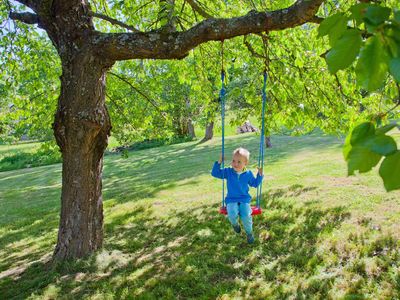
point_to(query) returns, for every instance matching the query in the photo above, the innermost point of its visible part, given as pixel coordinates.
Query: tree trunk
(178, 127)
(81, 128)
(209, 132)
(190, 127)
(268, 143)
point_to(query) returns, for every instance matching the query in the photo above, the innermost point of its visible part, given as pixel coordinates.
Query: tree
(82, 124)
(162, 106)
(24, 83)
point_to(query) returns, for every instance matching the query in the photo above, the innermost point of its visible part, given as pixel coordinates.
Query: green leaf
(364, 147)
(344, 52)
(329, 24)
(235, 92)
(372, 65)
(381, 144)
(377, 14)
(298, 62)
(334, 26)
(386, 128)
(337, 30)
(358, 11)
(361, 159)
(347, 146)
(394, 68)
(361, 132)
(390, 171)
(397, 15)
(394, 49)
(394, 33)
(356, 153)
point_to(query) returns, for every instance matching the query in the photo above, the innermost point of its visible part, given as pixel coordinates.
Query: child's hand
(220, 159)
(260, 171)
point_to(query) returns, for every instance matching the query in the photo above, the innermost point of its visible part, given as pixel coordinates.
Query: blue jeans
(244, 211)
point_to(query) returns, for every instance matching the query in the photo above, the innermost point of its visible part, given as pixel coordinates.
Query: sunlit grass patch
(322, 234)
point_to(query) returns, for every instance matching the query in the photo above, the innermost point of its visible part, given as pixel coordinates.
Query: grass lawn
(18, 148)
(322, 235)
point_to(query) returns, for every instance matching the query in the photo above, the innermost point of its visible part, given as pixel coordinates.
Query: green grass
(22, 156)
(6, 150)
(322, 235)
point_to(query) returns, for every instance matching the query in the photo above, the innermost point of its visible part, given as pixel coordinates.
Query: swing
(255, 210)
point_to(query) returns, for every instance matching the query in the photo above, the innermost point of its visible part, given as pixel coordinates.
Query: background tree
(29, 81)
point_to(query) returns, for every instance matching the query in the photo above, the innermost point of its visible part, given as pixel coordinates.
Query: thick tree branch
(159, 45)
(198, 9)
(25, 17)
(114, 21)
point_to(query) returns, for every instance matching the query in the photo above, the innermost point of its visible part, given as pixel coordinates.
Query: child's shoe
(237, 228)
(250, 238)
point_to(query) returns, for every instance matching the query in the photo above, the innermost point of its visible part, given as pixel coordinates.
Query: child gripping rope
(238, 199)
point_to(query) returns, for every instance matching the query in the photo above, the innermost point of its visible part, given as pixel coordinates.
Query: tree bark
(190, 127)
(268, 143)
(82, 126)
(209, 132)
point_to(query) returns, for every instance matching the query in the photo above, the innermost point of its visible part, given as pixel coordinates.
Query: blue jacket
(238, 184)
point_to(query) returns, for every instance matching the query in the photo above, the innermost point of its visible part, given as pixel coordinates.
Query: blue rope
(261, 150)
(222, 98)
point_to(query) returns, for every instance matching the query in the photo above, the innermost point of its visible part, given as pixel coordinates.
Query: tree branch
(397, 101)
(152, 102)
(316, 19)
(252, 51)
(118, 107)
(198, 9)
(170, 45)
(25, 17)
(340, 86)
(113, 21)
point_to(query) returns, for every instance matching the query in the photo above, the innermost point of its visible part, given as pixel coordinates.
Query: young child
(238, 198)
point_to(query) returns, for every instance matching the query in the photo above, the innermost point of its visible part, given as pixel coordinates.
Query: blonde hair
(243, 152)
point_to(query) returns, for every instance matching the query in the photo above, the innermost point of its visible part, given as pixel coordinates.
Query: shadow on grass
(190, 255)
(201, 249)
(35, 237)
(145, 173)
